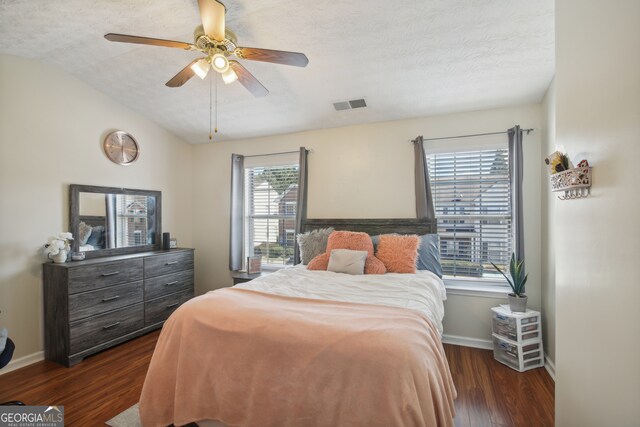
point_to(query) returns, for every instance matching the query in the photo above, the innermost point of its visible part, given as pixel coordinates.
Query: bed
(307, 348)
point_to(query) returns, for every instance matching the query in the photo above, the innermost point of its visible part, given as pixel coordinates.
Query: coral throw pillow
(353, 241)
(398, 253)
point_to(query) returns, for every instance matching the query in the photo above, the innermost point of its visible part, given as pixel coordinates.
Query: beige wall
(549, 239)
(58, 122)
(92, 204)
(51, 128)
(597, 249)
(364, 171)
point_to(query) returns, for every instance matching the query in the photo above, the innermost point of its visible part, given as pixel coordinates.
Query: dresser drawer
(162, 285)
(159, 265)
(159, 309)
(87, 304)
(96, 276)
(98, 329)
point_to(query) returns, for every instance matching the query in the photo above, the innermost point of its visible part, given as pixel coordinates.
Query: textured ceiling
(407, 58)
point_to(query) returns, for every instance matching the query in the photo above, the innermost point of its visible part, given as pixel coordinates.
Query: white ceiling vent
(349, 105)
(357, 103)
(342, 105)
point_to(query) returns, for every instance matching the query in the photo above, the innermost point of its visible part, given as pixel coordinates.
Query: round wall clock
(121, 148)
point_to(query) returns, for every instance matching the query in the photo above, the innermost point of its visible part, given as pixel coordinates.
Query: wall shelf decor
(575, 183)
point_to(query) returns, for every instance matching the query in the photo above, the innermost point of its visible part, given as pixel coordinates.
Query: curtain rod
(275, 154)
(475, 134)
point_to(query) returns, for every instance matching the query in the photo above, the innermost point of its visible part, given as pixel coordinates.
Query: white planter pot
(60, 257)
(518, 304)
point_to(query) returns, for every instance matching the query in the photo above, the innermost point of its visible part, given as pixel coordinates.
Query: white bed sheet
(423, 291)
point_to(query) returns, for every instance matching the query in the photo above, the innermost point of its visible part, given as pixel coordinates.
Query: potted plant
(517, 299)
(57, 248)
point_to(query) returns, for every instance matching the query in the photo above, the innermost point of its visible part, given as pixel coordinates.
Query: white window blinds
(271, 206)
(472, 199)
(131, 220)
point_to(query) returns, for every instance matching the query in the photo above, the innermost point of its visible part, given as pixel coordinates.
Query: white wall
(364, 172)
(597, 243)
(51, 129)
(549, 231)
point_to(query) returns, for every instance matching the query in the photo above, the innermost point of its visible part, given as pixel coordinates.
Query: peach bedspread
(248, 358)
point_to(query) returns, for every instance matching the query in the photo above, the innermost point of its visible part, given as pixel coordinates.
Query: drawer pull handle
(110, 298)
(171, 263)
(113, 325)
(173, 305)
(171, 283)
(113, 273)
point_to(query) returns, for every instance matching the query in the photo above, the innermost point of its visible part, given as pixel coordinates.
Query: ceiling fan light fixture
(219, 62)
(229, 76)
(215, 44)
(201, 68)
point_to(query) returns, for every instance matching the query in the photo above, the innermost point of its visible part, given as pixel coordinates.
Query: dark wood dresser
(95, 304)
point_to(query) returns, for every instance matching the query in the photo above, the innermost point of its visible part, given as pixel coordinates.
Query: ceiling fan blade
(212, 14)
(183, 76)
(123, 38)
(276, 56)
(247, 80)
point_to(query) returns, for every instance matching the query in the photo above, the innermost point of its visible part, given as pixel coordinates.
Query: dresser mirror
(109, 221)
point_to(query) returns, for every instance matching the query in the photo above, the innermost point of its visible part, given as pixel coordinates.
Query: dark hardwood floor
(92, 392)
(491, 394)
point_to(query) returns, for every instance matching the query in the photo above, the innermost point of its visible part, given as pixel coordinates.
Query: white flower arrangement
(55, 244)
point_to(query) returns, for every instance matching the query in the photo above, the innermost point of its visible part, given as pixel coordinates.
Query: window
(131, 220)
(472, 200)
(270, 213)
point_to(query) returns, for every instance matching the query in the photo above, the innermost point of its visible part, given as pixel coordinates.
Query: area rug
(131, 418)
(128, 418)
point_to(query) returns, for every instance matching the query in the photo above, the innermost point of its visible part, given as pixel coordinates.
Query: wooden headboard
(374, 226)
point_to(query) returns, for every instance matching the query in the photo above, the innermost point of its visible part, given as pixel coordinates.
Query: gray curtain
(301, 210)
(424, 200)
(515, 174)
(237, 212)
(110, 230)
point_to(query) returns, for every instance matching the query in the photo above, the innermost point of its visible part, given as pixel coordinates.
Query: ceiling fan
(218, 43)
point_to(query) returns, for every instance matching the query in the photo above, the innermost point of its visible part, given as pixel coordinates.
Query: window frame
(249, 218)
(492, 287)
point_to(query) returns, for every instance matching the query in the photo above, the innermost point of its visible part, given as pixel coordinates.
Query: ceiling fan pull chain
(210, 112)
(216, 128)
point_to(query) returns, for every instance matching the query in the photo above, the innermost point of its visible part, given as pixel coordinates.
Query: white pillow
(347, 261)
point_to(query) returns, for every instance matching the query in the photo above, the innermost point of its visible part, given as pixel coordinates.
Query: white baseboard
(23, 361)
(550, 367)
(467, 342)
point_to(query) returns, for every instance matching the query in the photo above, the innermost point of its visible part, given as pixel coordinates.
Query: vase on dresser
(60, 257)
